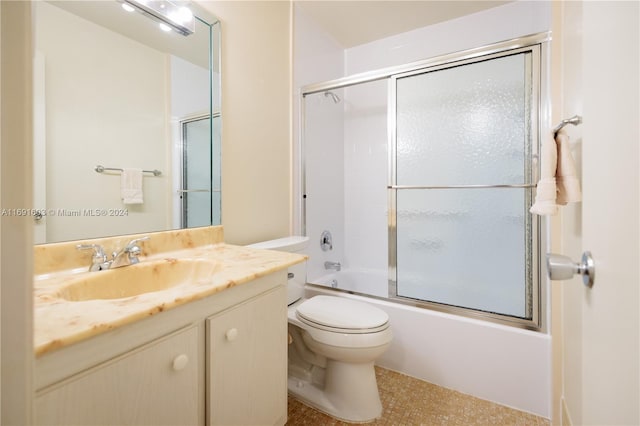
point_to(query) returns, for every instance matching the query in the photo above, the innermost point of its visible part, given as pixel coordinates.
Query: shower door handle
(563, 268)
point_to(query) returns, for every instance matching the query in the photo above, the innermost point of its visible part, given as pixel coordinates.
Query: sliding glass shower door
(462, 184)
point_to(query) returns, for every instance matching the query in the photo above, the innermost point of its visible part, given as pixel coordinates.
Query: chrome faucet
(128, 255)
(332, 265)
(99, 260)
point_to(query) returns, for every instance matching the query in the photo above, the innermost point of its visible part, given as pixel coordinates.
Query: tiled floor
(409, 401)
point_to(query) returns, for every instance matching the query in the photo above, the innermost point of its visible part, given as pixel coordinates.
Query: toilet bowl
(345, 337)
(334, 342)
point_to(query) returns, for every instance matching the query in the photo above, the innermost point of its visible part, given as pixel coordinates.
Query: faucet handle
(98, 251)
(133, 244)
(99, 258)
(133, 250)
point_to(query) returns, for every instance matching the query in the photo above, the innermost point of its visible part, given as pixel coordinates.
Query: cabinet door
(157, 384)
(247, 362)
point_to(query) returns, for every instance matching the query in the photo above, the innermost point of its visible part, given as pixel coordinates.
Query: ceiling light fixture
(170, 13)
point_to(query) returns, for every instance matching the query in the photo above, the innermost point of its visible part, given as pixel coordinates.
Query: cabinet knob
(231, 334)
(180, 362)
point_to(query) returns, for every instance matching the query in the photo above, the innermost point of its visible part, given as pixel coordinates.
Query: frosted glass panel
(198, 209)
(197, 173)
(467, 124)
(464, 247)
(216, 167)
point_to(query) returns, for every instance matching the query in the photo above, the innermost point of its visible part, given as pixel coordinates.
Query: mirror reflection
(126, 122)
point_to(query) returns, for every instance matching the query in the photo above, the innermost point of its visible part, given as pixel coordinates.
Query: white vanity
(207, 352)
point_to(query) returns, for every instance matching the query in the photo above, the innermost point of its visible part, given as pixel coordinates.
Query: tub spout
(332, 265)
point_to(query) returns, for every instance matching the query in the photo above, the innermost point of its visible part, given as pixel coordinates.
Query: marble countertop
(60, 322)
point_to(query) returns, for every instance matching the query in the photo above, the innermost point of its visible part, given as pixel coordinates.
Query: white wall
(317, 57)
(89, 124)
(256, 118)
(189, 83)
(325, 179)
(512, 20)
(366, 179)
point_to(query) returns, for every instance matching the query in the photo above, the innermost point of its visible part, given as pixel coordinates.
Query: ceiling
(352, 23)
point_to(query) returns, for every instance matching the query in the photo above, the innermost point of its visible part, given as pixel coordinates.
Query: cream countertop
(59, 322)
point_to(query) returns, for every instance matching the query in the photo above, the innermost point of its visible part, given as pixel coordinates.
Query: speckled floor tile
(409, 401)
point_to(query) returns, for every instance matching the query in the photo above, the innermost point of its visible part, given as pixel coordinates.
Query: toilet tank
(297, 273)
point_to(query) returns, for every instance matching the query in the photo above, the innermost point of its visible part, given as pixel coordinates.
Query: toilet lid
(343, 313)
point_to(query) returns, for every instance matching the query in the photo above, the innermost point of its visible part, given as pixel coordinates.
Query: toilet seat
(342, 315)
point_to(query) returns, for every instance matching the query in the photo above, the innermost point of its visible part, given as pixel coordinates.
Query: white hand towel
(131, 186)
(566, 176)
(546, 191)
(558, 180)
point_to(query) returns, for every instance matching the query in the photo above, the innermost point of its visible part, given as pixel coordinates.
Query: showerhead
(335, 97)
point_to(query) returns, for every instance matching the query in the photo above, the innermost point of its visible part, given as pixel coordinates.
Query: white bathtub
(503, 364)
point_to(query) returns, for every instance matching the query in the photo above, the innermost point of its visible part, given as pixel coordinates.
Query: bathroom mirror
(112, 91)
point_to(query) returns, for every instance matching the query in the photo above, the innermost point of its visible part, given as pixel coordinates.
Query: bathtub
(506, 365)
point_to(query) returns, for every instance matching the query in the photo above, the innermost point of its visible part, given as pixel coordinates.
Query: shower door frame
(182, 191)
(538, 44)
(532, 284)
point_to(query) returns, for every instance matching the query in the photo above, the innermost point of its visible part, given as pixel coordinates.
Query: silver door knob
(563, 268)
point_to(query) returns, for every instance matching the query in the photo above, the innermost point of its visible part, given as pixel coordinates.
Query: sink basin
(144, 277)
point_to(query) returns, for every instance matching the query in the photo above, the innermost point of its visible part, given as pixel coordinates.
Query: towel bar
(101, 169)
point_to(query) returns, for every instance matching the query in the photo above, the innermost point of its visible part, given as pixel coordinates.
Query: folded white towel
(558, 183)
(131, 186)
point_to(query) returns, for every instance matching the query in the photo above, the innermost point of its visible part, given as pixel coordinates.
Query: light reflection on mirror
(112, 89)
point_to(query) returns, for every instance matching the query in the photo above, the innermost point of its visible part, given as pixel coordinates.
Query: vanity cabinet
(156, 384)
(220, 360)
(247, 362)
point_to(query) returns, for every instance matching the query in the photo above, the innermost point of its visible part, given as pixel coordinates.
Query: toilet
(333, 344)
